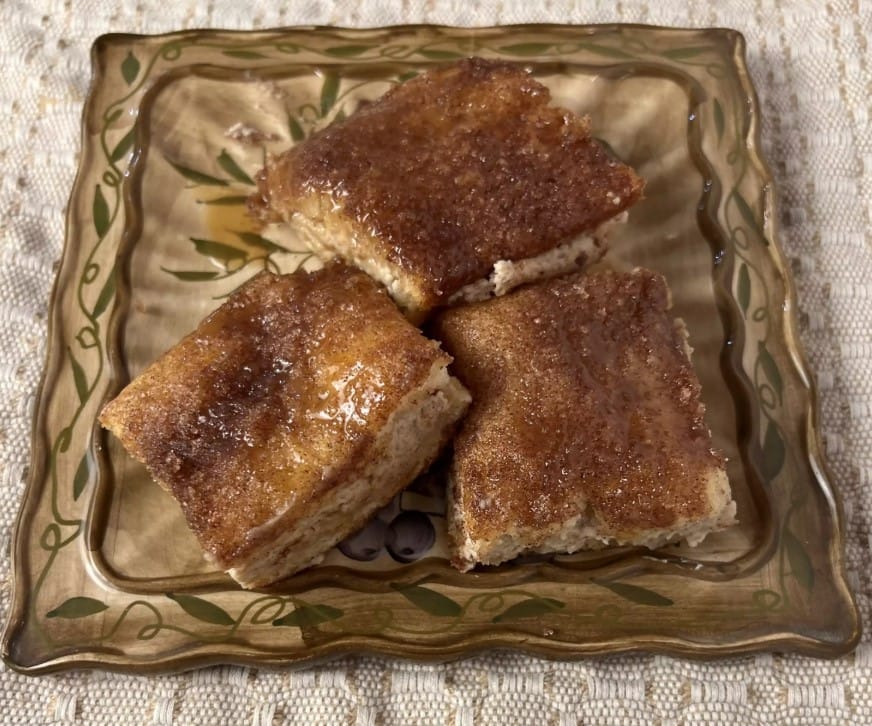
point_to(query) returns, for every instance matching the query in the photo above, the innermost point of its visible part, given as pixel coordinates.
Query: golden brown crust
(584, 404)
(272, 400)
(454, 170)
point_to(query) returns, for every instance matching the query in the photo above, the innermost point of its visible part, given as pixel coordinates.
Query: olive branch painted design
(254, 251)
(745, 229)
(508, 604)
(85, 356)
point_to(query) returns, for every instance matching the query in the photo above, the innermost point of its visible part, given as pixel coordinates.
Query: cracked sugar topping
(456, 169)
(584, 402)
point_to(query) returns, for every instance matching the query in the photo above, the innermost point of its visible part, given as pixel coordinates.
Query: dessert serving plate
(107, 574)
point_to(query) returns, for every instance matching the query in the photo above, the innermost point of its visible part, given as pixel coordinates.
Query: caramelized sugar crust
(272, 400)
(584, 403)
(454, 170)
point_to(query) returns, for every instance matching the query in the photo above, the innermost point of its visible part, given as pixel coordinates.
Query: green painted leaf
(65, 438)
(77, 607)
(606, 51)
(114, 116)
(439, 54)
(770, 368)
(719, 119)
(255, 240)
(227, 162)
(408, 76)
(297, 133)
(306, 616)
(760, 314)
(529, 608)
(202, 609)
(106, 294)
(347, 51)
(191, 275)
(774, 452)
(79, 377)
(244, 54)
(124, 145)
(800, 563)
(766, 599)
(130, 68)
(228, 201)
(634, 593)
(744, 287)
(681, 53)
(100, 210)
(329, 91)
(749, 216)
(340, 116)
(217, 250)
(526, 48)
(81, 477)
(430, 601)
(198, 177)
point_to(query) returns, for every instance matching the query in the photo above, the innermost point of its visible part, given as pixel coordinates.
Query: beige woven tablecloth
(811, 63)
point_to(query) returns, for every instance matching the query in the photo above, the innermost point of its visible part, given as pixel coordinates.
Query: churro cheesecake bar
(586, 427)
(459, 184)
(288, 417)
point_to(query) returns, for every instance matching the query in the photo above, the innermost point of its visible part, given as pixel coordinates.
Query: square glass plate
(105, 571)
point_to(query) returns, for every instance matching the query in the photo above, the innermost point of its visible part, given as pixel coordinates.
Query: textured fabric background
(811, 64)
